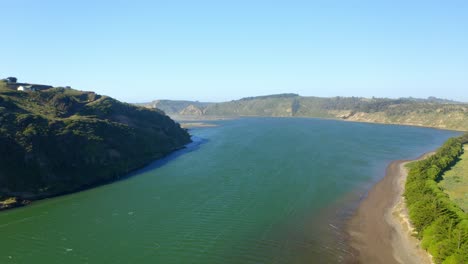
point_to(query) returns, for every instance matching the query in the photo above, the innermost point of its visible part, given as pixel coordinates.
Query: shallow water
(255, 190)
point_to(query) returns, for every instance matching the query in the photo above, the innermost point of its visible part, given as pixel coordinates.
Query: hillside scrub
(62, 140)
(438, 221)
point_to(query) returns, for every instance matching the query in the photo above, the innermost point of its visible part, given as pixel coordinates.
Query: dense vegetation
(62, 140)
(439, 222)
(430, 112)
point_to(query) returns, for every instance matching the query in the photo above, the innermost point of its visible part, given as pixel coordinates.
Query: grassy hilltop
(61, 140)
(455, 181)
(431, 112)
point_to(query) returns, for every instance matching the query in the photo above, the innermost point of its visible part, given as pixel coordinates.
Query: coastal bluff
(60, 140)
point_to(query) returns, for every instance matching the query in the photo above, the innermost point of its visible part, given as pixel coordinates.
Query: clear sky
(220, 50)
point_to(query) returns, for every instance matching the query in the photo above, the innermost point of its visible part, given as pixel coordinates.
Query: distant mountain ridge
(430, 112)
(432, 99)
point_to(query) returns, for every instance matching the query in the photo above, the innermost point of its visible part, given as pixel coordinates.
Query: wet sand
(380, 231)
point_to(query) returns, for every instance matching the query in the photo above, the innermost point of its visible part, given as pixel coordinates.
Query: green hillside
(455, 181)
(431, 112)
(61, 140)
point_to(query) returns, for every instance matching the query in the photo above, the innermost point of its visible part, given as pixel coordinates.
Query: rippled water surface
(257, 190)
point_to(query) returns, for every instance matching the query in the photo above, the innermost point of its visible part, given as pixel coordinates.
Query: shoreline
(14, 202)
(380, 230)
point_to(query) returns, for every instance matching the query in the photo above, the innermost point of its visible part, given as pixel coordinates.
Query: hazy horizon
(216, 51)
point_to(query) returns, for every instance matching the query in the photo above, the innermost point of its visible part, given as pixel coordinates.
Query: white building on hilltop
(25, 88)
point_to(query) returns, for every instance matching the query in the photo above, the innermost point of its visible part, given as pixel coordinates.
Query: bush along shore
(438, 221)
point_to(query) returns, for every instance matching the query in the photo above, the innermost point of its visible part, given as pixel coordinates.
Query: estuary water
(253, 190)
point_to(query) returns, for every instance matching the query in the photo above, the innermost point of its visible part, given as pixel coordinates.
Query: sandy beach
(380, 231)
(189, 125)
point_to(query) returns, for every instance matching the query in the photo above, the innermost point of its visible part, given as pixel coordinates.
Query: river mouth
(255, 190)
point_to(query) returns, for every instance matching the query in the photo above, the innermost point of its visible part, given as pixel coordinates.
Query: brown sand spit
(380, 231)
(196, 124)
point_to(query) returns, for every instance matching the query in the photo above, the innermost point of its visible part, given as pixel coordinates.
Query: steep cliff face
(62, 140)
(191, 110)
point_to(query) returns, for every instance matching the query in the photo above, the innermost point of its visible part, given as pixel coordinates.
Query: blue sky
(138, 51)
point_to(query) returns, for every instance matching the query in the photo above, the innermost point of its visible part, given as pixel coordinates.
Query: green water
(248, 191)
